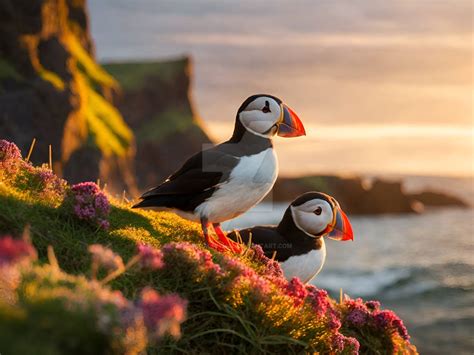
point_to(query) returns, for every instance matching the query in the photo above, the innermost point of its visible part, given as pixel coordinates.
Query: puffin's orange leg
(211, 242)
(235, 247)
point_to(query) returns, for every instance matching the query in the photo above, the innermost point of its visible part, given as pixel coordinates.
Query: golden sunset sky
(382, 86)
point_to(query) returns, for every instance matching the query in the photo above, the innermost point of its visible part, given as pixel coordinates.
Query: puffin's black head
(266, 115)
(318, 214)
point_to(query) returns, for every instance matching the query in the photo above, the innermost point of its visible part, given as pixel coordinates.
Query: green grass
(132, 75)
(106, 125)
(51, 225)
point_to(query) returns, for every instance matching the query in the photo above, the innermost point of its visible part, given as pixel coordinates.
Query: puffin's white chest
(305, 266)
(249, 182)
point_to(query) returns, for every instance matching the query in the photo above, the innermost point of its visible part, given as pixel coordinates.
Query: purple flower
(384, 319)
(357, 317)
(43, 180)
(162, 314)
(388, 319)
(150, 258)
(15, 250)
(89, 203)
(297, 290)
(105, 257)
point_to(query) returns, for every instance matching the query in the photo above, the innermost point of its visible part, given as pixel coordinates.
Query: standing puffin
(298, 240)
(222, 182)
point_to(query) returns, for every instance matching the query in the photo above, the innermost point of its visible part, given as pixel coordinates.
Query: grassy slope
(51, 226)
(213, 326)
(240, 304)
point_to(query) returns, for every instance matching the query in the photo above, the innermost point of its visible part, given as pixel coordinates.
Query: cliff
(52, 89)
(156, 101)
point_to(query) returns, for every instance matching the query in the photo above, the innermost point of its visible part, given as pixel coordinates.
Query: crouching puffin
(225, 181)
(298, 240)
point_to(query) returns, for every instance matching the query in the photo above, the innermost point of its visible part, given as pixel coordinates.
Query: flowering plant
(89, 203)
(83, 315)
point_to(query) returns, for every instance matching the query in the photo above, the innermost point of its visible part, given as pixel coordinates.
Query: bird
(297, 242)
(222, 182)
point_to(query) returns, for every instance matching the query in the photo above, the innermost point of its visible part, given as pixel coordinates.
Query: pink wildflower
(191, 252)
(351, 344)
(10, 157)
(90, 204)
(388, 319)
(272, 267)
(256, 285)
(234, 265)
(319, 300)
(105, 257)
(162, 314)
(357, 317)
(43, 180)
(297, 290)
(150, 257)
(334, 323)
(372, 305)
(15, 250)
(337, 342)
(340, 343)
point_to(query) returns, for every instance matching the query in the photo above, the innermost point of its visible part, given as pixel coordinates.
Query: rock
(356, 195)
(438, 199)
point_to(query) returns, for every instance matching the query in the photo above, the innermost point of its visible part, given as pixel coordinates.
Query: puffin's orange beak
(341, 228)
(289, 124)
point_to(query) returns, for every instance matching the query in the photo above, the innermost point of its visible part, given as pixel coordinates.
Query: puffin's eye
(266, 108)
(318, 211)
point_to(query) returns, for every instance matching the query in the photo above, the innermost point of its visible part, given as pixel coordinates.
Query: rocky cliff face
(156, 102)
(52, 89)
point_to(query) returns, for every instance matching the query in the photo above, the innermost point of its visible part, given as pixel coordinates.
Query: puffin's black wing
(195, 181)
(268, 238)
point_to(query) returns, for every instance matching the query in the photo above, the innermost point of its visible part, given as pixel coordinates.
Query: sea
(382, 87)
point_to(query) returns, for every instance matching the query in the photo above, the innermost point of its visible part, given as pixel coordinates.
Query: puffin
(222, 182)
(297, 242)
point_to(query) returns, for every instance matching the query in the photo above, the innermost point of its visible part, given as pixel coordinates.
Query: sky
(383, 87)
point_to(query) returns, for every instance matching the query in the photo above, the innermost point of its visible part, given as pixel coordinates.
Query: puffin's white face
(313, 216)
(261, 116)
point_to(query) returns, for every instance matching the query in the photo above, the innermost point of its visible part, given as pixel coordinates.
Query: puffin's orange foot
(214, 244)
(229, 244)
